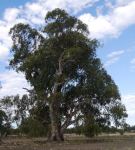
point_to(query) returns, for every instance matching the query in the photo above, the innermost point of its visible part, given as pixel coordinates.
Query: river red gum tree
(60, 63)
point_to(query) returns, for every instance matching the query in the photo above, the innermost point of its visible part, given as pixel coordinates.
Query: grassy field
(72, 142)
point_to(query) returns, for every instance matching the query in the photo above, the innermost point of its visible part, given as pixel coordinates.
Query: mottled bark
(56, 133)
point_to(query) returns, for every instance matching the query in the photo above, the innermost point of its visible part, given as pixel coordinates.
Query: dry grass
(72, 142)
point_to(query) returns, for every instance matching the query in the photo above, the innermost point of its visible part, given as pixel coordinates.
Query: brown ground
(126, 142)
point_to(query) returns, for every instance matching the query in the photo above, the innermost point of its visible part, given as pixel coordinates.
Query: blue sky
(112, 22)
(11, 3)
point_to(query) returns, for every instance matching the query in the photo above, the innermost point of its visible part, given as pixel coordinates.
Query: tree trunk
(56, 132)
(55, 116)
(0, 138)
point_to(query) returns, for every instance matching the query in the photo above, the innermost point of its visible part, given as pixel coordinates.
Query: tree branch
(68, 120)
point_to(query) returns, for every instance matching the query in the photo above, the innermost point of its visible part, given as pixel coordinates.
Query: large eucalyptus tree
(60, 63)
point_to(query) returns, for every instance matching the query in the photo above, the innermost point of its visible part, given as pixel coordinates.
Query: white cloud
(11, 14)
(5, 40)
(72, 6)
(100, 26)
(113, 57)
(33, 13)
(129, 101)
(3, 52)
(12, 83)
(113, 23)
(108, 4)
(123, 2)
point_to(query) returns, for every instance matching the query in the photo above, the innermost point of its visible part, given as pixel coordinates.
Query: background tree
(60, 63)
(27, 114)
(5, 123)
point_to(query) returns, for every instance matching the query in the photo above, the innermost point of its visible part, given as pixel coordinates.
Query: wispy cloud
(132, 61)
(113, 57)
(132, 65)
(115, 54)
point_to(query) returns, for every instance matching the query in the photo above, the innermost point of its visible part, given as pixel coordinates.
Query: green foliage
(33, 128)
(29, 116)
(119, 113)
(14, 131)
(4, 124)
(92, 130)
(17, 108)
